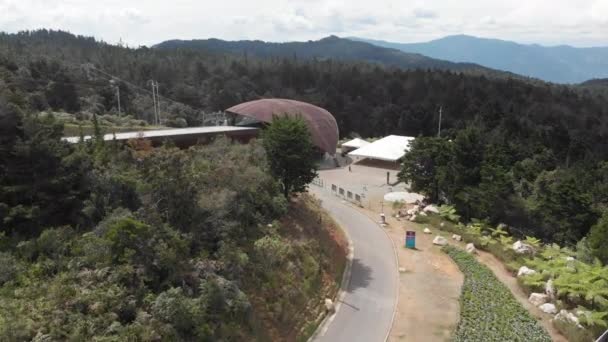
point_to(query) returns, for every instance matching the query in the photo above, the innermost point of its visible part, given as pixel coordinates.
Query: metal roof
(390, 148)
(356, 143)
(181, 132)
(322, 125)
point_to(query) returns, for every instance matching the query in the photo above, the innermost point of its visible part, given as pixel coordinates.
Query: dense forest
(538, 135)
(526, 153)
(95, 241)
(105, 242)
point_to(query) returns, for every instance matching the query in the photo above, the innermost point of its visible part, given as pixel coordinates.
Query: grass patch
(488, 310)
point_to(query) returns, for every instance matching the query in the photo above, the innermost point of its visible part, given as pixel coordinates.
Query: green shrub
(489, 312)
(598, 239)
(8, 267)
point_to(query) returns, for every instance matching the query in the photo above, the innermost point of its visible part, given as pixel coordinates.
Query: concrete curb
(325, 323)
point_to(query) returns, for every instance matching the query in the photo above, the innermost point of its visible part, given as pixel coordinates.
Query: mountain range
(331, 47)
(560, 64)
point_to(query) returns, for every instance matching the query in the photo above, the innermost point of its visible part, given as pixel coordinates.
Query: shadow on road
(361, 275)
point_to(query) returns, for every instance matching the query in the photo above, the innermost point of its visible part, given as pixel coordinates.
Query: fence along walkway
(341, 192)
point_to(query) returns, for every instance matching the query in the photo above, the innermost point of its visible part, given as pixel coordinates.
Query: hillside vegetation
(489, 312)
(127, 243)
(332, 47)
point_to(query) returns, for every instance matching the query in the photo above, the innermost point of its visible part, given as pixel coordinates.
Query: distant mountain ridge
(560, 64)
(330, 47)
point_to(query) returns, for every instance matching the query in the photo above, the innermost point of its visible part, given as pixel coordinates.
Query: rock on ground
(566, 316)
(413, 218)
(457, 237)
(538, 299)
(431, 209)
(548, 308)
(470, 248)
(413, 211)
(522, 248)
(525, 271)
(329, 305)
(440, 241)
(427, 230)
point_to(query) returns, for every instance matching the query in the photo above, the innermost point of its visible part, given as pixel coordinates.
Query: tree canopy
(291, 153)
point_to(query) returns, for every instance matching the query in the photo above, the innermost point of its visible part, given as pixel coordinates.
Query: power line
(134, 85)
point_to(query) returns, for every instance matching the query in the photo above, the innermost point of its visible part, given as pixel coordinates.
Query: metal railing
(339, 191)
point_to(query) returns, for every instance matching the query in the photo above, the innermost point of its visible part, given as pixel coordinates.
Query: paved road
(366, 311)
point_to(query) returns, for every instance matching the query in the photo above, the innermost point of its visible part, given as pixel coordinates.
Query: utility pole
(114, 84)
(440, 114)
(155, 84)
(118, 97)
(155, 121)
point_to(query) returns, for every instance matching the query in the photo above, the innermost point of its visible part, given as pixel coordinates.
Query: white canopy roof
(356, 143)
(389, 148)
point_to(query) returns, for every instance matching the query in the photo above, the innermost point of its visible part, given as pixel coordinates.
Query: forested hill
(331, 47)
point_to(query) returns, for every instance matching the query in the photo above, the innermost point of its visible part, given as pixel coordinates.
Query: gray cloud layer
(140, 22)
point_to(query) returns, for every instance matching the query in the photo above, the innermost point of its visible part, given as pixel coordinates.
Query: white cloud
(579, 23)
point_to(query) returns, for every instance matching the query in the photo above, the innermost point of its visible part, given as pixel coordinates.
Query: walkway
(366, 311)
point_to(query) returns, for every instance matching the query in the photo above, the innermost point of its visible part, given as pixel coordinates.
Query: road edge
(324, 325)
(395, 253)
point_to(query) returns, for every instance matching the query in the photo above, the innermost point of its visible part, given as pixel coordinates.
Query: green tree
(598, 239)
(425, 166)
(561, 207)
(291, 154)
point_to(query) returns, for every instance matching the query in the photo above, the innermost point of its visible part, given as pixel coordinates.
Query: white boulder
(522, 248)
(427, 230)
(412, 211)
(413, 218)
(470, 248)
(548, 308)
(456, 237)
(422, 213)
(538, 299)
(566, 316)
(442, 224)
(440, 241)
(329, 305)
(431, 209)
(570, 258)
(523, 271)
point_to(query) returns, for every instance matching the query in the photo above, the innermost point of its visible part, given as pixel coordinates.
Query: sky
(580, 23)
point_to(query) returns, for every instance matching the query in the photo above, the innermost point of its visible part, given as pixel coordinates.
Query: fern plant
(506, 242)
(593, 318)
(448, 212)
(532, 241)
(498, 232)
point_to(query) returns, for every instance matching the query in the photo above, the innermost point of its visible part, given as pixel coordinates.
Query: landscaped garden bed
(489, 312)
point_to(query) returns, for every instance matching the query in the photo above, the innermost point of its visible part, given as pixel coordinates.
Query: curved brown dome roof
(322, 125)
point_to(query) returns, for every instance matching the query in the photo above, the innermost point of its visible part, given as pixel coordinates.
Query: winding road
(366, 310)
